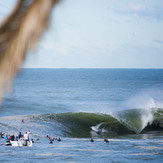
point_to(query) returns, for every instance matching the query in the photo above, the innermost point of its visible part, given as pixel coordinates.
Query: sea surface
(73, 104)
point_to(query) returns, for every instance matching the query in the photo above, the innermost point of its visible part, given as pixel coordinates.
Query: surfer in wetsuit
(12, 138)
(92, 140)
(106, 140)
(20, 135)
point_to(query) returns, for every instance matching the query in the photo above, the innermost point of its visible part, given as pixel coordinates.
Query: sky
(99, 34)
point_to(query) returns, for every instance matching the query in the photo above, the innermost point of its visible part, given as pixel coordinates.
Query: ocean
(73, 104)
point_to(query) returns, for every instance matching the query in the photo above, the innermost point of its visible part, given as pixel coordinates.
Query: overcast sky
(100, 34)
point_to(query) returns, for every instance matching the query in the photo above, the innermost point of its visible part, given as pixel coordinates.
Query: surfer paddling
(92, 140)
(106, 140)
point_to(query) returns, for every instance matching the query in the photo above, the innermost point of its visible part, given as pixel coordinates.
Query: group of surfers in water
(106, 140)
(13, 138)
(52, 139)
(26, 137)
(20, 135)
(9, 138)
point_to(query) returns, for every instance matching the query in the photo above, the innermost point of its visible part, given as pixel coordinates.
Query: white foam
(97, 127)
(149, 101)
(147, 118)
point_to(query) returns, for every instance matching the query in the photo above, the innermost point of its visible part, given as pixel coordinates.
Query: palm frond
(19, 33)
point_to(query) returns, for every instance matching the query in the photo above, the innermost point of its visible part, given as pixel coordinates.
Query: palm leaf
(19, 33)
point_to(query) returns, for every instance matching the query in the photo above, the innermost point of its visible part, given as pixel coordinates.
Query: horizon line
(84, 68)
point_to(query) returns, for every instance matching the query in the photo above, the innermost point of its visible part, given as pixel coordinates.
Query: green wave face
(123, 123)
(79, 124)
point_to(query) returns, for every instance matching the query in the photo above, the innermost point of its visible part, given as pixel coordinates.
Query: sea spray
(150, 98)
(147, 115)
(146, 103)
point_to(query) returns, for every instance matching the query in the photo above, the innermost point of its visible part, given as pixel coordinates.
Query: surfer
(6, 137)
(92, 140)
(26, 136)
(100, 131)
(20, 135)
(1, 135)
(12, 138)
(106, 140)
(51, 141)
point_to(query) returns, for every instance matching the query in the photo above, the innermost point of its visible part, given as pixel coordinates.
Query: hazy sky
(100, 33)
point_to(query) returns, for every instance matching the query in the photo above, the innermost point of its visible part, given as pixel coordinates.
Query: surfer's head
(106, 140)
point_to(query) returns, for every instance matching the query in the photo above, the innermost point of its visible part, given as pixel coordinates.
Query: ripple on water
(54, 154)
(150, 147)
(143, 154)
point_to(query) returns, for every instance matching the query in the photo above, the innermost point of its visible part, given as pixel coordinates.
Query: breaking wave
(133, 121)
(82, 124)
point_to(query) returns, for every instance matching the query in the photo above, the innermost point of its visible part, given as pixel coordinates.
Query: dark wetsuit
(20, 135)
(12, 138)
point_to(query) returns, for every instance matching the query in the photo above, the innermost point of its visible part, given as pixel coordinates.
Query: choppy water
(74, 103)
